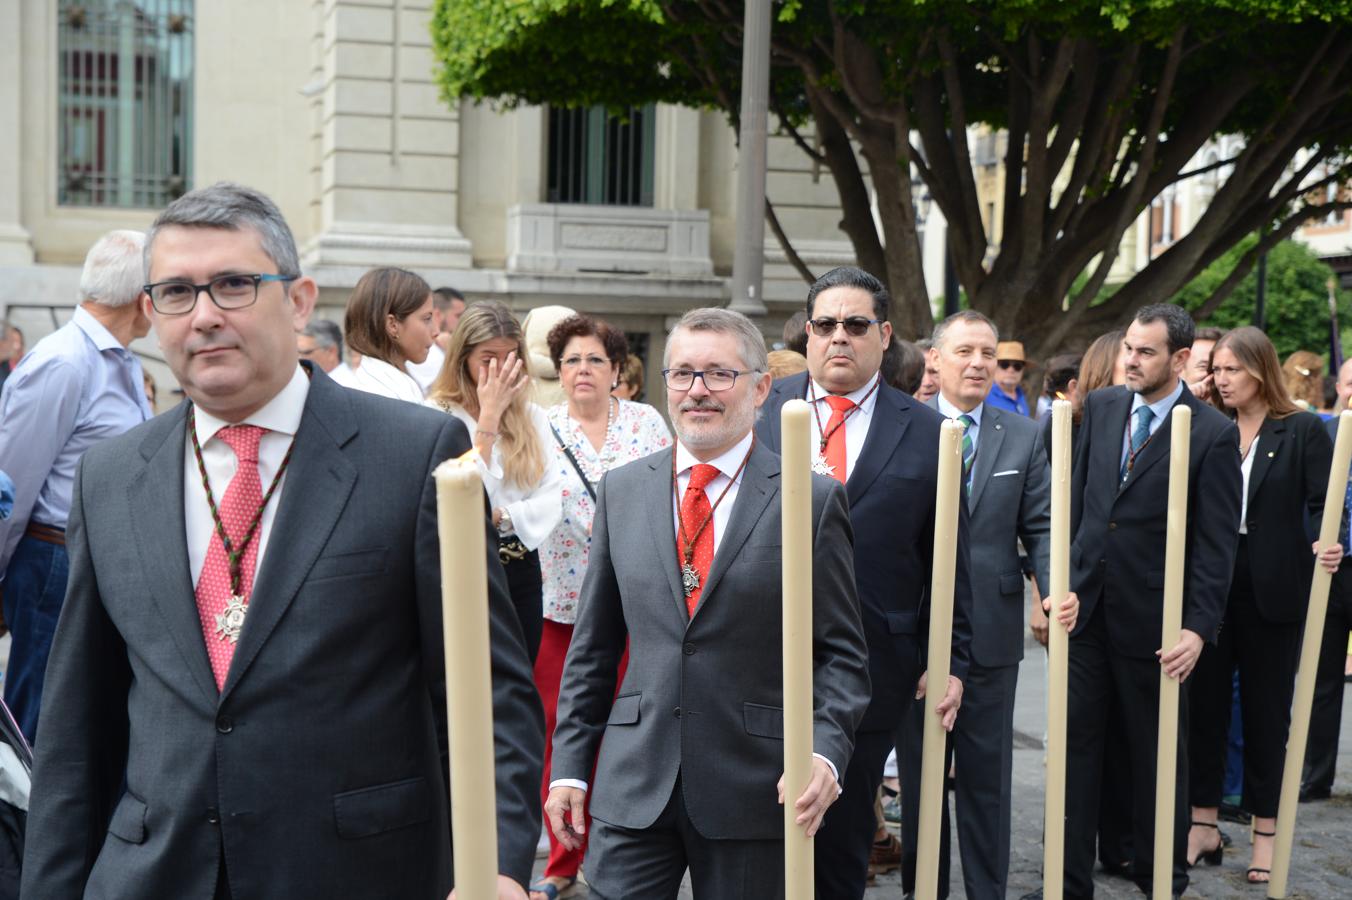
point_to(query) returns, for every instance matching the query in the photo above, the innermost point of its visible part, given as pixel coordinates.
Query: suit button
(225, 724)
(676, 712)
(213, 816)
(689, 649)
(1112, 526)
(1252, 526)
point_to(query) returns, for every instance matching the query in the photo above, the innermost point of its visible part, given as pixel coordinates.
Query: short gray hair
(326, 334)
(232, 207)
(114, 270)
(969, 316)
(725, 321)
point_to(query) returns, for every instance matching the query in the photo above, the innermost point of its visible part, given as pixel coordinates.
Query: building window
(595, 157)
(125, 69)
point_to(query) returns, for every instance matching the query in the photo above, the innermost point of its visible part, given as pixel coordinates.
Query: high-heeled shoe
(1214, 856)
(1256, 870)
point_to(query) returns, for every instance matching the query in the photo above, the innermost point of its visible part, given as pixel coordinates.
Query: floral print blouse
(637, 431)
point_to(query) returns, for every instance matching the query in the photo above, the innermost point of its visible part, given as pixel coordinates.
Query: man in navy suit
(883, 445)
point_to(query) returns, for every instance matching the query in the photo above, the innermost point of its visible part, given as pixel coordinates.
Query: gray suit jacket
(702, 695)
(319, 769)
(1010, 499)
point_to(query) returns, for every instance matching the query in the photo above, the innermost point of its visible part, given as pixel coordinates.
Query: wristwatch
(505, 526)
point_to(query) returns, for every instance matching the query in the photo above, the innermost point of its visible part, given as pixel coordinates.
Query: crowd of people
(226, 618)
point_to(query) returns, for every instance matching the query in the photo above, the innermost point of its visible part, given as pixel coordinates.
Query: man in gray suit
(1008, 498)
(685, 568)
(212, 734)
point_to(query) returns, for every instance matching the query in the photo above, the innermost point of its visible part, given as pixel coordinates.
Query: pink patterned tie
(242, 498)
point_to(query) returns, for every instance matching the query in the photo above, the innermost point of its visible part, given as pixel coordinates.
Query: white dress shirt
(376, 376)
(427, 371)
(281, 417)
(856, 426)
(1246, 469)
(949, 411)
(534, 509)
(344, 374)
(1160, 408)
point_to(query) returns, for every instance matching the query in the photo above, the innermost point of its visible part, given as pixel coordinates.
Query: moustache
(840, 351)
(702, 403)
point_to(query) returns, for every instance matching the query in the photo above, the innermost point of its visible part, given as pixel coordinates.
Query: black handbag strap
(577, 467)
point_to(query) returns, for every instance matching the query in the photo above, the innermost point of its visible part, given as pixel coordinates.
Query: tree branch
(789, 253)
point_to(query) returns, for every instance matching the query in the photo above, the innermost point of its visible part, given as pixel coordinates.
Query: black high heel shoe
(1214, 856)
(1255, 870)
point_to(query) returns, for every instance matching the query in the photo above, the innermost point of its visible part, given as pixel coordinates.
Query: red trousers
(554, 640)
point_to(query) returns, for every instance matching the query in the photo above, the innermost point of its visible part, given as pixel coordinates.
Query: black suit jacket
(319, 769)
(1119, 528)
(891, 493)
(1287, 483)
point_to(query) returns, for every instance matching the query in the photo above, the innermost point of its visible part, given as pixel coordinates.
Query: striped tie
(968, 450)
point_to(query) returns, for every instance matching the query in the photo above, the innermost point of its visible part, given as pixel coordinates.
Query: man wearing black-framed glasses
(1007, 390)
(882, 445)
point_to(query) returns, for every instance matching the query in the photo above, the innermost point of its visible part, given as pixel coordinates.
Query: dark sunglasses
(855, 326)
(1015, 364)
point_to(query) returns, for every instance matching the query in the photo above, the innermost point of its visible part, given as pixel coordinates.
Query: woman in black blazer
(1286, 458)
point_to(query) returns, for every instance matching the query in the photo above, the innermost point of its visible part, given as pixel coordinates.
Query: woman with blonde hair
(483, 384)
(1303, 372)
(1285, 456)
(389, 322)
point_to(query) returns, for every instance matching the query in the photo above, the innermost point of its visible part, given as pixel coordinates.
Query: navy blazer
(891, 493)
(1119, 527)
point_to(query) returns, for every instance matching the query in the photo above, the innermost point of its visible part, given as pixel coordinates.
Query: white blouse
(534, 509)
(378, 377)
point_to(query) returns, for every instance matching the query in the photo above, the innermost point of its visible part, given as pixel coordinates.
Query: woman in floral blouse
(593, 433)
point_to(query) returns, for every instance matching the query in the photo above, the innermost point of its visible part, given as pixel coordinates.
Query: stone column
(388, 146)
(15, 247)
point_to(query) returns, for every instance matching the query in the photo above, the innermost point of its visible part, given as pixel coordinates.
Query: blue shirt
(1017, 404)
(1160, 408)
(76, 387)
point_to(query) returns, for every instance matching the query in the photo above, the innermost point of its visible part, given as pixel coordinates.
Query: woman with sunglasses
(1007, 391)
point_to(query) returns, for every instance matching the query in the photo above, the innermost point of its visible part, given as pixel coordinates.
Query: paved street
(1323, 853)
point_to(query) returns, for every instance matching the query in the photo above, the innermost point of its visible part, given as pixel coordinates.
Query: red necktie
(695, 508)
(835, 444)
(237, 508)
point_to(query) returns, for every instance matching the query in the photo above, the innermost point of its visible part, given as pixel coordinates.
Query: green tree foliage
(1106, 104)
(1296, 306)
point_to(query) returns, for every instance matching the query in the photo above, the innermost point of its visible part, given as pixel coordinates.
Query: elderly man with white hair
(76, 387)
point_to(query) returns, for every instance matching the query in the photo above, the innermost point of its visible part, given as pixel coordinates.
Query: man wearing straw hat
(883, 445)
(686, 570)
(246, 692)
(1007, 390)
(1119, 504)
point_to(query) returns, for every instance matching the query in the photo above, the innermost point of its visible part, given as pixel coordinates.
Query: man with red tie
(685, 568)
(246, 692)
(883, 446)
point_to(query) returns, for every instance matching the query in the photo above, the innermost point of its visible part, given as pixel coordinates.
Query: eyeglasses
(593, 362)
(175, 298)
(1015, 364)
(714, 379)
(855, 326)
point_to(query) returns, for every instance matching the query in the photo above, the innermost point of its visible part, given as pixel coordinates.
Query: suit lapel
(157, 524)
(760, 480)
(1271, 437)
(990, 437)
(318, 482)
(890, 420)
(661, 524)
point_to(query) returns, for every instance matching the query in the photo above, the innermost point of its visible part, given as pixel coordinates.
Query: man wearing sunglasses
(246, 693)
(1007, 391)
(883, 445)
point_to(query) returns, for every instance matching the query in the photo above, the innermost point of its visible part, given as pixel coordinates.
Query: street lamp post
(749, 258)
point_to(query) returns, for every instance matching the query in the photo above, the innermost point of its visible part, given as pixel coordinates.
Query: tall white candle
(940, 645)
(1309, 662)
(469, 693)
(796, 485)
(1054, 827)
(1176, 536)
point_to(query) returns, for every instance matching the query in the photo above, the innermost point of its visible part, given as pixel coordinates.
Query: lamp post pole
(749, 259)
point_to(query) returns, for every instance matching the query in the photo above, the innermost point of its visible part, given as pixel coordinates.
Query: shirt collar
(728, 463)
(949, 411)
(819, 394)
(100, 337)
(281, 414)
(1160, 407)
